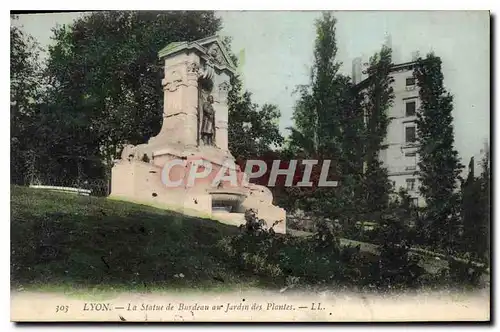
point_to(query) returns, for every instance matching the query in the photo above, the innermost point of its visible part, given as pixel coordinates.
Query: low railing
(92, 187)
(78, 191)
(429, 253)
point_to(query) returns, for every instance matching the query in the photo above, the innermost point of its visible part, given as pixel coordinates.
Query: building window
(410, 184)
(410, 81)
(411, 108)
(410, 154)
(410, 134)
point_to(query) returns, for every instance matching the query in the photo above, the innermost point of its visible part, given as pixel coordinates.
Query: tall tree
(439, 165)
(476, 210)
(24, 94)
(105, 88)
(379, 97)
(252, 131)
(105, 78)
(316, 132)
(353, 132)
(328, 124)
(317, 129)
(485, 206)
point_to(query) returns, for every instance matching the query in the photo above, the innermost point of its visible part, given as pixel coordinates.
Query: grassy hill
(65, 240)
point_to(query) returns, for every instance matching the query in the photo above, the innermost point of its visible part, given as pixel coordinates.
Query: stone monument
(194, 128)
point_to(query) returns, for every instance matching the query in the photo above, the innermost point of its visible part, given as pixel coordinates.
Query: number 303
(62, 308)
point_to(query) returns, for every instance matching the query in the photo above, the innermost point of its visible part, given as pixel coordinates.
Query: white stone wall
(397, 157)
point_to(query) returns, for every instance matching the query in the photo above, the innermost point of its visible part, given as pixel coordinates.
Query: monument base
(139, 181)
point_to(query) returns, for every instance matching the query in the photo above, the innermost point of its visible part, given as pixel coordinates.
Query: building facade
(400, 156)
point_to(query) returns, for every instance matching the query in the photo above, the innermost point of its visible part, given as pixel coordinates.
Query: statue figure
(208, 122)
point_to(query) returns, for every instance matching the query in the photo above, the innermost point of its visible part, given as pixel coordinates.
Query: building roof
(396, 67)
(200, 45)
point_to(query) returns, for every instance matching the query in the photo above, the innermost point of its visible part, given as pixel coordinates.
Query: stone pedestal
(193, 70)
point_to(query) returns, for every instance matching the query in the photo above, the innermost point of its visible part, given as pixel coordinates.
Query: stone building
(400, 157)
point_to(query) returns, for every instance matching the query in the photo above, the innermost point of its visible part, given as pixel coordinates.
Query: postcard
(250, 166)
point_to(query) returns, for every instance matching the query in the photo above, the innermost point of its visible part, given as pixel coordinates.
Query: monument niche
(194, 129)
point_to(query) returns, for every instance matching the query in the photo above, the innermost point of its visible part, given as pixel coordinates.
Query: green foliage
(379, 97)
(316, 131)
(476, 212)
(77, 241)
(252, 131)
(341, 203)
(25, 89)
(464, 273)
(254, 247)
(328, 124)
(326, 236)
(485, 205)
(321, 260)
(439, 165)
(405, 208)
(104, 91)
(286, 259)
(377, 188)
(396, 268)
(105, 82)
(96, 242)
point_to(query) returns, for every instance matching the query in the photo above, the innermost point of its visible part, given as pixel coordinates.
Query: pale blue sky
(279, 52)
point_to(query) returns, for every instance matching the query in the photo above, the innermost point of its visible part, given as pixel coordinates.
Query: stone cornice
(198, 45)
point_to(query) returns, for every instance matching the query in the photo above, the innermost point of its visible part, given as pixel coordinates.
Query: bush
(464, 272)
(301, 223)
(254, 247)
(320, 259)
(396, 267)
(288, 260)
(327, 236)
(358, 233)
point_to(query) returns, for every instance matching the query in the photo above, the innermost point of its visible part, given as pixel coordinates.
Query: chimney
(356, 70)
(415, 55)
(388, 40)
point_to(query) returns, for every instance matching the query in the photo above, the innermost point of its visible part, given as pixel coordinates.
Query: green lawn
(64, 241)
(94, 246)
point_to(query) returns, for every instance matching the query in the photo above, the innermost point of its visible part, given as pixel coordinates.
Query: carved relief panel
(175, 77)
(215, 53)
(223, 90)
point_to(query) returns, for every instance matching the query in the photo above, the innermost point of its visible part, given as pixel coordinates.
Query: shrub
(327, 236)
(396, 267)
(464, 272)
(254, 247)
(289, 260)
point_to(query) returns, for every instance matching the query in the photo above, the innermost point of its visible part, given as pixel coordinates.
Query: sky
(278, 48)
